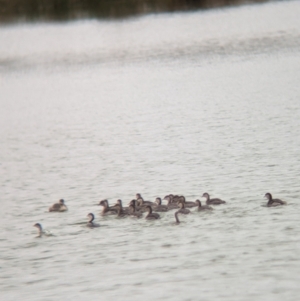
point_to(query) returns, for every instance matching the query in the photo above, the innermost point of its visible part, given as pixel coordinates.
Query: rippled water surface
(170, 103)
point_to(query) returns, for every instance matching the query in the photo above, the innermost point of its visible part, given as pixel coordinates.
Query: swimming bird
(182, 209)
(186, 204)
(204, 207)
(91, 223)
(171, 204)
(175, 198)
(151, 215)
(158, 207)
(120, 211)
(137, 208)
(58, 207)
(135, 205)
(41, 231)
(106, 209)
(177, 221)
(210, 201)
(168, 198)
(273, 202)
(134, 213)
(120, 204)
(138, 196)
(140, 202)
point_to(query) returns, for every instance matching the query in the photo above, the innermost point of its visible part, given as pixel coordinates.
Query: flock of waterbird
(138, 206)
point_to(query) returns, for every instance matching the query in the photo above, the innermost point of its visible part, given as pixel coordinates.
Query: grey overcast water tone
(183, 103)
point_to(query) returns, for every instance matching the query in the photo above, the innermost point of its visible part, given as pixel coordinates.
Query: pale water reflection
(181, 103)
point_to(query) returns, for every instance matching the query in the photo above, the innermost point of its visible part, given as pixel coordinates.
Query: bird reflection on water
(32, 10)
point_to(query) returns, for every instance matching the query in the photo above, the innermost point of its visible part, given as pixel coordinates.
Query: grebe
(168, 198)
(158, 207)
(91, 223)
(182, 209)
(151, 215)
(41, 231)
(58, 207)
(106, 209)
(177, 221)
(133, 212)
(204, 207)
(138, 196)
(210, 201)
(273, 202)
(173, 198)
(134, 204)
(171, 204)
(120, 204)
(120, 211)
(186, 204)
(137, 208)
(142, 203)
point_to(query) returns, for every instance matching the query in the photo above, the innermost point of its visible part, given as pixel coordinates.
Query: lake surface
(181, 103)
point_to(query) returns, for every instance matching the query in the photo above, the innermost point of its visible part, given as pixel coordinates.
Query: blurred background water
(184, 103)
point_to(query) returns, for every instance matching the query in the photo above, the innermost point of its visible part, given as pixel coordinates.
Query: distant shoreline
(64, 10)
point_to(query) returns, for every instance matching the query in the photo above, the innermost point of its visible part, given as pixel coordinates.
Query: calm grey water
(170, 103)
